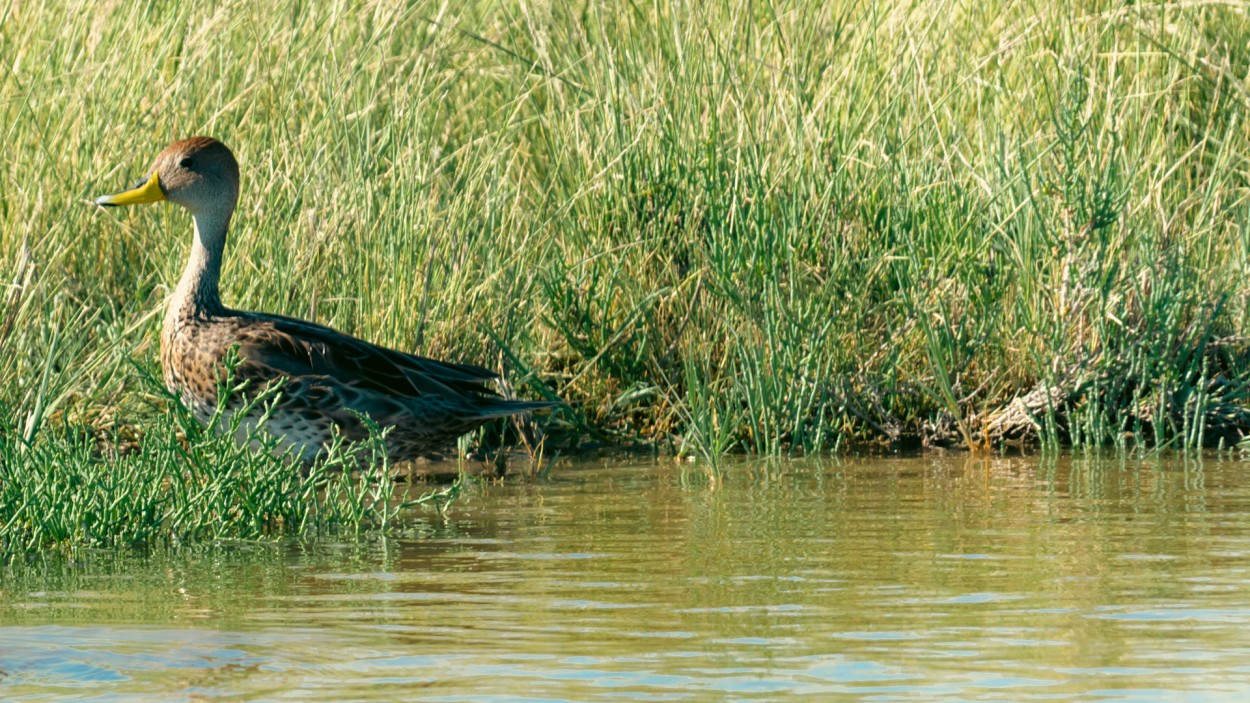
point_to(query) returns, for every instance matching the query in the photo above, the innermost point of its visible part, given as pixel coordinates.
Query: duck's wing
(290, 347)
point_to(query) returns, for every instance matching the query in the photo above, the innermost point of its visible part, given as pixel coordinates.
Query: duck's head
(199, 173)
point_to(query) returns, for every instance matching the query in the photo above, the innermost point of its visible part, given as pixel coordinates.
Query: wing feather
(297, 348)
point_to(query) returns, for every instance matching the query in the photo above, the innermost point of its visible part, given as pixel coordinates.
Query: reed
(738, 226)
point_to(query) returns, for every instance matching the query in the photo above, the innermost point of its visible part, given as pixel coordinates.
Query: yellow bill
(148, 191)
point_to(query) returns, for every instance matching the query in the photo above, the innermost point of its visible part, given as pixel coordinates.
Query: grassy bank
(182, 482)
(729, 226)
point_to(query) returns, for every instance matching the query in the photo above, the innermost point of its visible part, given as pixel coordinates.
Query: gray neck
(197, 292)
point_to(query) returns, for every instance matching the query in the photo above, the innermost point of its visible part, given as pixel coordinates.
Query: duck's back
(330, 380)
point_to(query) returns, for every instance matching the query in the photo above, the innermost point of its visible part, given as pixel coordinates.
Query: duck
(329, 382)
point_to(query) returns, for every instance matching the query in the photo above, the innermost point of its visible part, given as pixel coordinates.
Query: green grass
(185, 482)
(729, 226)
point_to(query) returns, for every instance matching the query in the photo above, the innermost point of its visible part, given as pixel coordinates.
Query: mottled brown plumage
(329, 376)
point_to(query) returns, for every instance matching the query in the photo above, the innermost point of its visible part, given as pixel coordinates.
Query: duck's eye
(185, 163)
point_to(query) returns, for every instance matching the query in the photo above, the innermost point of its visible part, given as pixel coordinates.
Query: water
(886, 580)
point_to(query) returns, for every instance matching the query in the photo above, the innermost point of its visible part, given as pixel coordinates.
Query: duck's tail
(504, 408)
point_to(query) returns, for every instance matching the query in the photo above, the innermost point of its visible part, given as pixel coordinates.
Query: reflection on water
(890, 580)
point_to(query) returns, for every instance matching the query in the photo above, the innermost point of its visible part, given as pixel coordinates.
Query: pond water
(934, 578)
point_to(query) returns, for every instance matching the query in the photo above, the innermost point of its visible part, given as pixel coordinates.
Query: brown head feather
(198, 173)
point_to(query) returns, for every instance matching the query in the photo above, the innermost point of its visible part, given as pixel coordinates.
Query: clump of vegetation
(722, 227)
(184, 482)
